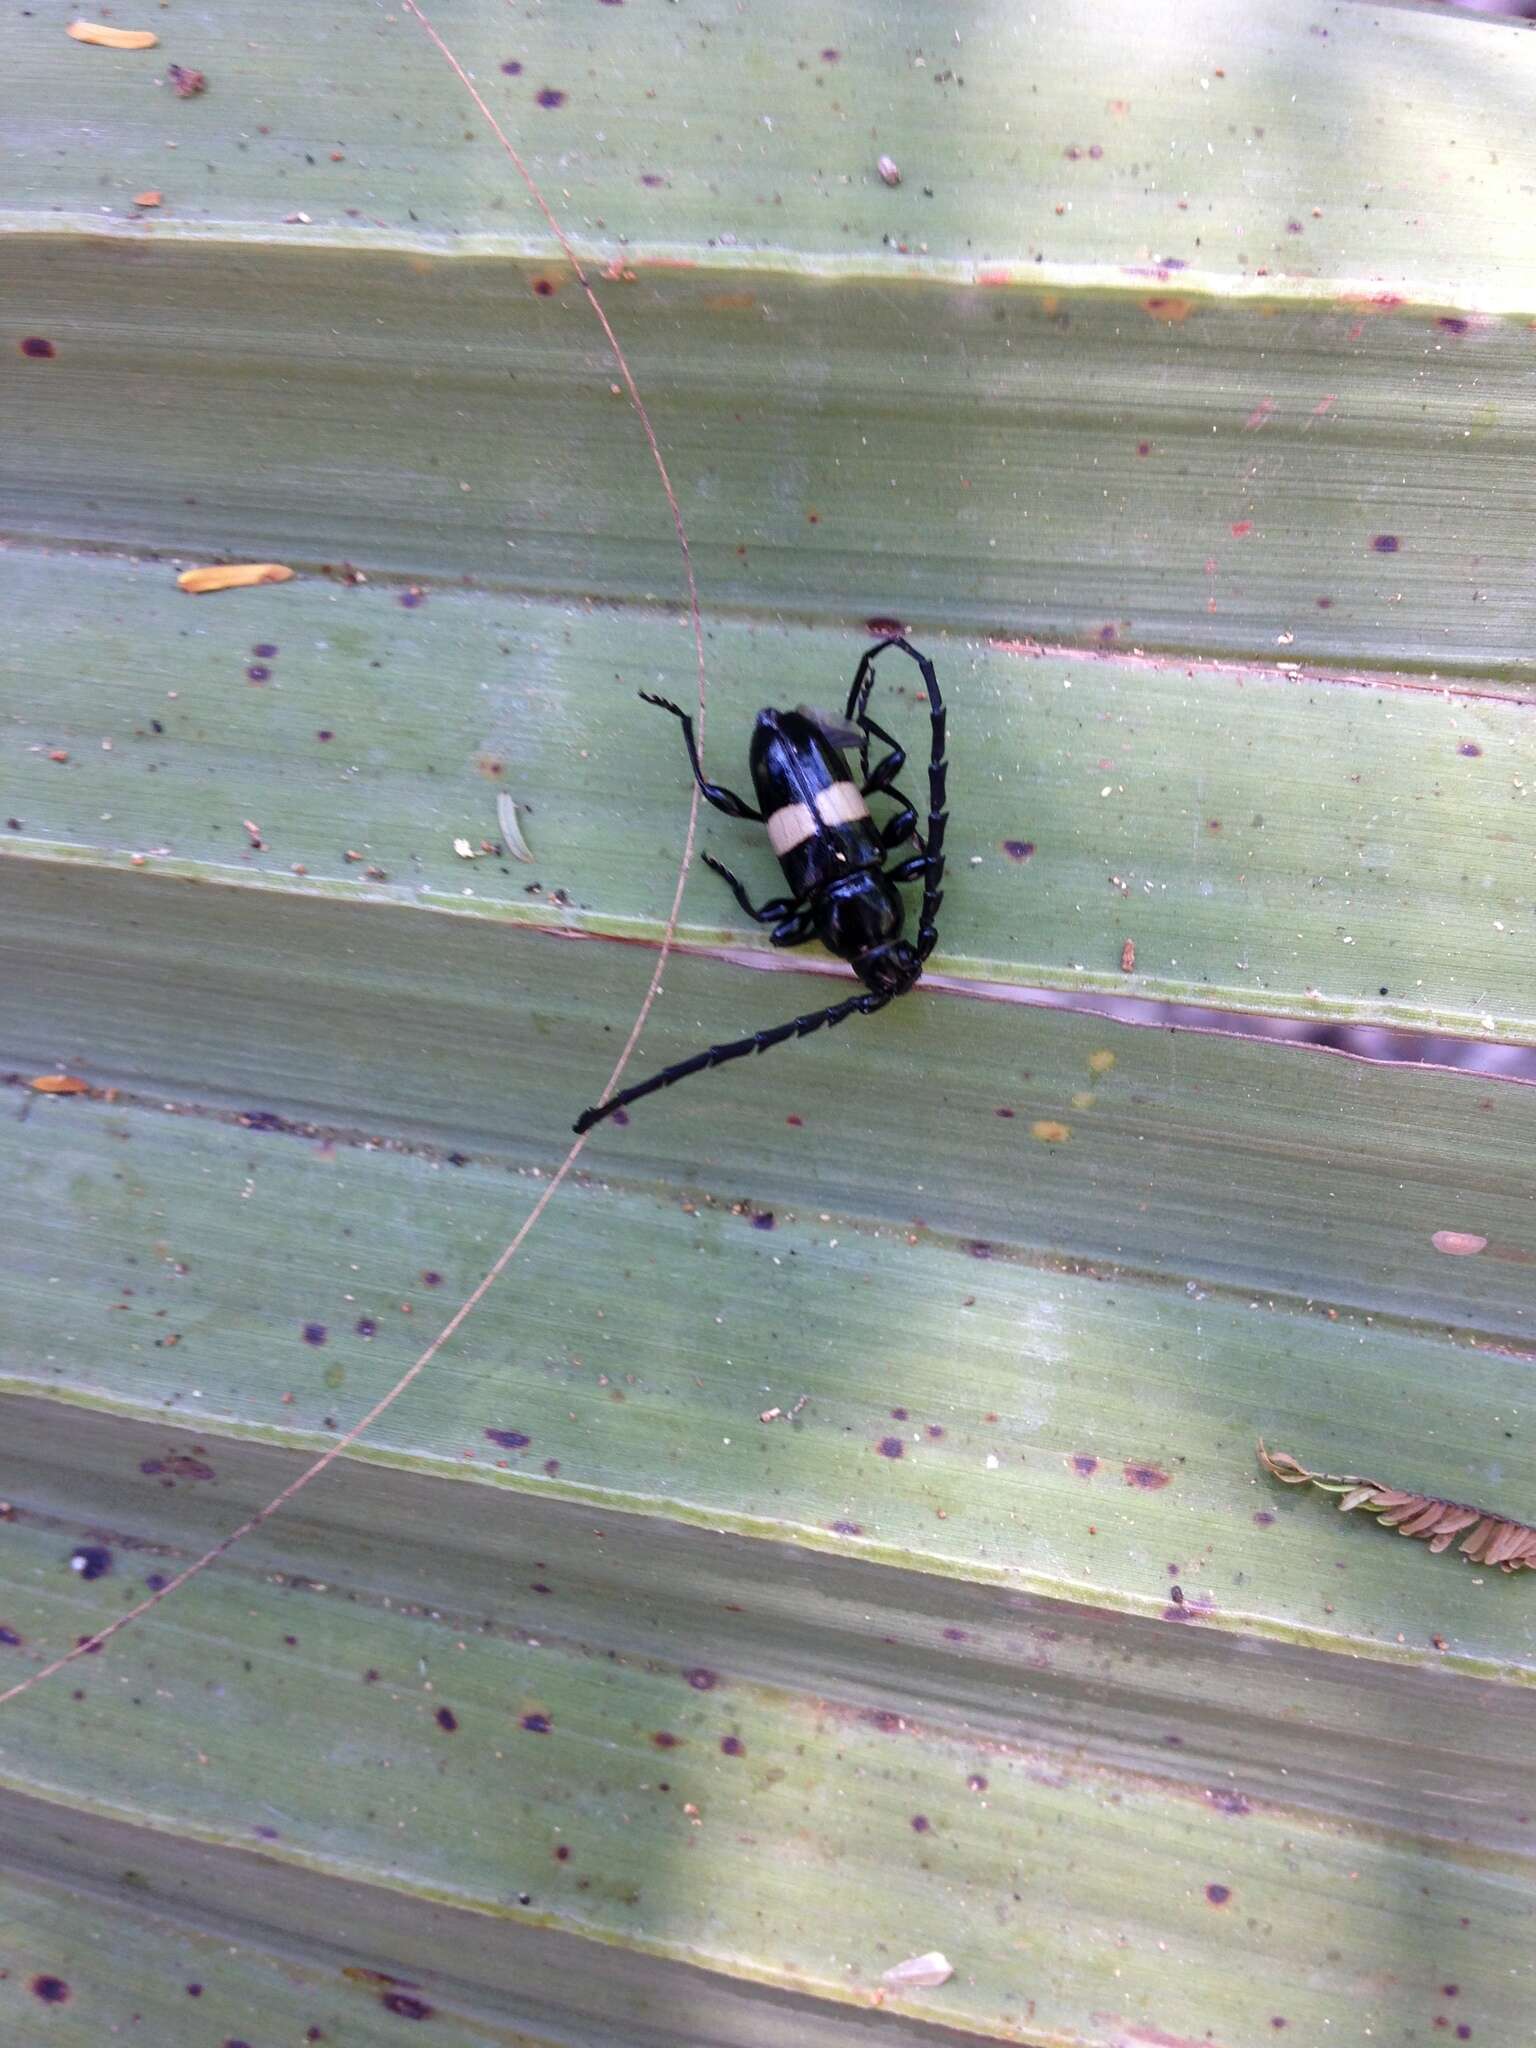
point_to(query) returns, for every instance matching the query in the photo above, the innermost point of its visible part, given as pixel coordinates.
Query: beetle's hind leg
(715, 793)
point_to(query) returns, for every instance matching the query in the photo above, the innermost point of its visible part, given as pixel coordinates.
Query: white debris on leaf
(512, 838)
(920, 1973)
(464, 850)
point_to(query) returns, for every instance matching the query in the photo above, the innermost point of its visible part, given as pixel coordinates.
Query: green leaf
(878, 1420)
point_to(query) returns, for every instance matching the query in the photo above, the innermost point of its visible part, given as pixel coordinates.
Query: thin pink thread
(467, 1307)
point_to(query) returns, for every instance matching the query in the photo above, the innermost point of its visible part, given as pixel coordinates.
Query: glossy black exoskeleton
(832, 853)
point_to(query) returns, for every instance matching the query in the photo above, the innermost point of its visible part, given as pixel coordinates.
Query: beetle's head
(889, 970)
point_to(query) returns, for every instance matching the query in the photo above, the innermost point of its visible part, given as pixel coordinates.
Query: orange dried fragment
(147, 198)
(112, 38)
(232, 576)
(59, 1084)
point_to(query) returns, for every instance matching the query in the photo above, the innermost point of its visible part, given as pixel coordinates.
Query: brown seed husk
(1486, 1538)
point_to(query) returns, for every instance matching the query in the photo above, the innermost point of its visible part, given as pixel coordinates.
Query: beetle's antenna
(737, 1049)
(932, 842)
(473, 1300)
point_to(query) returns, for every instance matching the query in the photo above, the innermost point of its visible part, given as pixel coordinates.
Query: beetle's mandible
(834, 856)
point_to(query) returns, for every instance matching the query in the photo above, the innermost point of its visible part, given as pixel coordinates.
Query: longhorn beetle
(833, 855)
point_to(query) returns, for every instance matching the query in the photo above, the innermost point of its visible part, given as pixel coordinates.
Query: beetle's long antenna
(736, 1049)
(468, 1306)
(932, 842)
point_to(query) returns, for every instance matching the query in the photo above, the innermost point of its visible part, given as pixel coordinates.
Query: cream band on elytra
(792, 825)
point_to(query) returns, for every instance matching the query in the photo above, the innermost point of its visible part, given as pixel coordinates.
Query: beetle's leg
(938, 778)
(913, 870)
(864, 1004)
(712, 792)
(885, 772)
(799, 926)
(897, 830)
(767, 913)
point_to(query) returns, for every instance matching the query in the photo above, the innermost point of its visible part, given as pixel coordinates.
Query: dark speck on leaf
(920, 1823)
(620, 1116)
(979, 1248)
(663, 1739)
(1470, 749)
(412, 598)
(1452, 323)
(258, 672)
(935, 1430)
(1263, 1518)
(550, 96)
(764, 1219)
(1084, 1464)
(462, 1158)
(830, 56)
(551, 1466)
(512, 68)
(701, 1680)
(1147, 1477)
(538, 1586)
(898, 1415)
(1385, 543)
(956, 1635)
(1003, 1113)
(563, 1853)
(883, 1719)
(431, 1279)
(404, 2006)
(1019, 849)
(367, 1327)
(264, 649)
(194, 1991)
(39, 348)
(447, 1720)
(976, 1782)
(51, 1990)
(732, 1745)
(509, 1439)
(314, 1333)
(1228, 1802)
(537, 1724)
(890, 1447)
(91, 1561)
(543, 288)
(1218, 1894)
(9, 1637)
(846, 1528)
